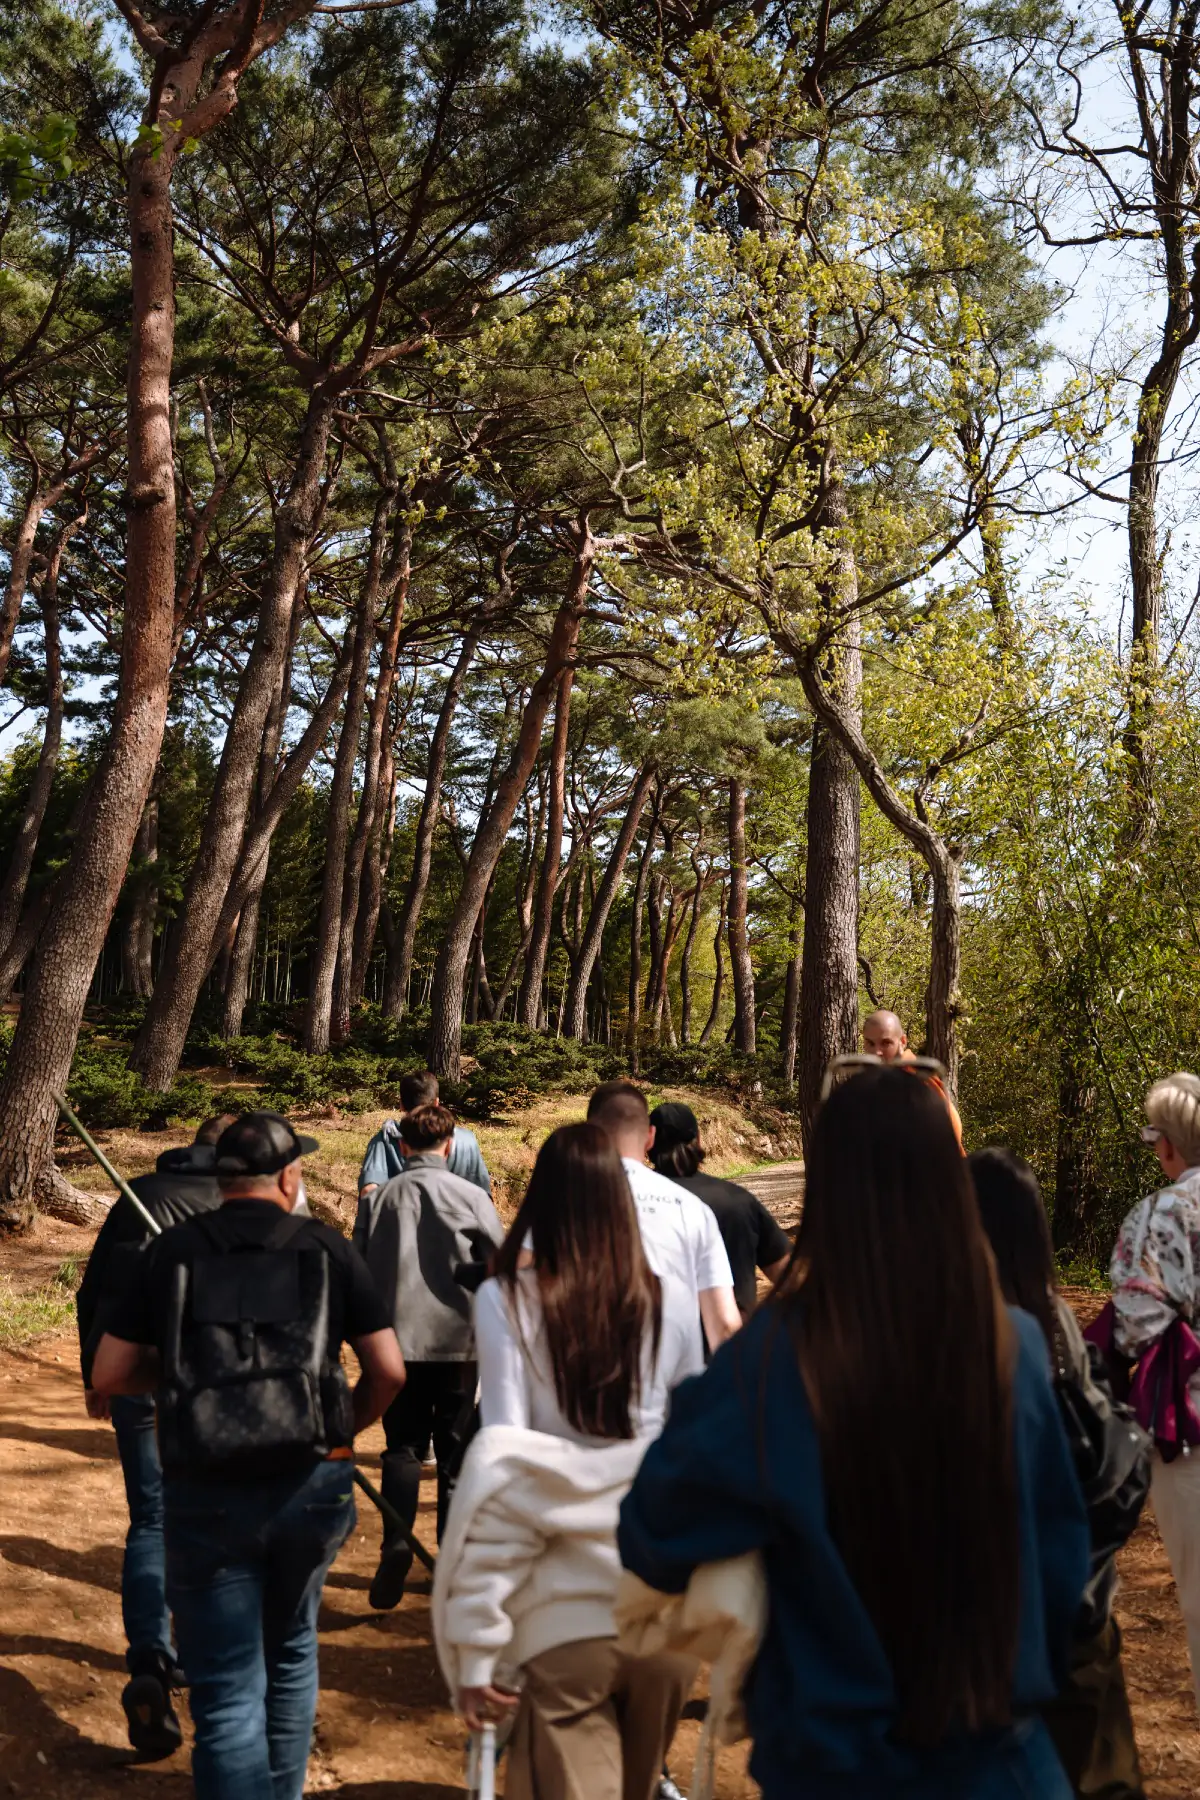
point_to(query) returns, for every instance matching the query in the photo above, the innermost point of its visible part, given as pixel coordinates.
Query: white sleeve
(712, 1262)
(503, 1368)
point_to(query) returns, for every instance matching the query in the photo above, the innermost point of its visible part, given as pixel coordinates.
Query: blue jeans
(246, 1563)
(143, 1572)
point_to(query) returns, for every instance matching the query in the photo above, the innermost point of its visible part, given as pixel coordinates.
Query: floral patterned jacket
(1155, 1267)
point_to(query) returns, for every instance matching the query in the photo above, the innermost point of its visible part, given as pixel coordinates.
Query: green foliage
(30, 161)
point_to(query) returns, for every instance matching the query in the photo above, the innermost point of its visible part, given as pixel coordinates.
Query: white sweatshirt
(516, 1385)
(529, 1559)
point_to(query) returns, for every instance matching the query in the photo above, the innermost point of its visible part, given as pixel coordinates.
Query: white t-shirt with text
(680, 1234)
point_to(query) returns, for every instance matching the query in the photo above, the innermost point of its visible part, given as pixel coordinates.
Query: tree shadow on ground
(44, 1758)
(98, 1567)
(94, 1443)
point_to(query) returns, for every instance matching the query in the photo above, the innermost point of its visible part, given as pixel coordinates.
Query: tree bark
(685, 960)
(137, 938)
(789, 1027)
(575, 1006)
(16, 876)
(350, 974)
(942, 1001)
(323, 962)
(530, 1002)
(714, 1011)
(40, 497)
(39, 1060)
(187, 954)
(400, 965)
(741, 967)
(445, 1036)
(374, 876)
(633, 1019)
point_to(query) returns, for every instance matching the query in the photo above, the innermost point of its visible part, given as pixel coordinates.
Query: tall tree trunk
(245, 939)
(789, 1026)
(575, 1006)
(374, 876)
(685, 961)
(445, 1036)
(400, 965)
(40, 496)
(137, 937)
(530, 1002)
(52, 1006)
(393, 584)
(323, 963)
(188, 951)
(718, 987)
(20, 863)
(742, 969)
(633, 1018)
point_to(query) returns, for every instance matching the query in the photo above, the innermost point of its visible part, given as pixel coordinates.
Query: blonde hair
(1173, 1107)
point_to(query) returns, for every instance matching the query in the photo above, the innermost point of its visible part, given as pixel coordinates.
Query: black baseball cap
(260, 1143)
(674, 1123)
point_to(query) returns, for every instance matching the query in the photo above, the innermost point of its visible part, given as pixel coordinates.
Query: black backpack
(247, 1387)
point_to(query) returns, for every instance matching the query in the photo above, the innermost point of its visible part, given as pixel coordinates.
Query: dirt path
(384, 1730)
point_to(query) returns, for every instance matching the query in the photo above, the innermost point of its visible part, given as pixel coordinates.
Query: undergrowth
(39, 1312)
(507, 1066)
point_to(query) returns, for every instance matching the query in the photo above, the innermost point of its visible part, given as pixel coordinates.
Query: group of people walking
(908, 1467)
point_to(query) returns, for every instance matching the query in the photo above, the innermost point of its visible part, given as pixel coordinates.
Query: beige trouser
(1175, 1490)
(595, 1724)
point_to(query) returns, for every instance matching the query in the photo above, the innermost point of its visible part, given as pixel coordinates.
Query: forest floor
(384, 1731)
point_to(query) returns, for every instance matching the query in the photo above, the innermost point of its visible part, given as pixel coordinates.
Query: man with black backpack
(236, 1320)
(184, 1182)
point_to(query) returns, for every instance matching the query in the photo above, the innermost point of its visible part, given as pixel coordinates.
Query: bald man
(885, 1037)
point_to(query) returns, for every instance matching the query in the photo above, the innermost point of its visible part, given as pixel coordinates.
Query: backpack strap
(280, 1235)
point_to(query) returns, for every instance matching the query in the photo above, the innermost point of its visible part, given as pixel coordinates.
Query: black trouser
(1091, 1724)
(431, 1404)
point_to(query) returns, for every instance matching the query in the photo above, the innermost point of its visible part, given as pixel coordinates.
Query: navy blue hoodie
(738, 1468)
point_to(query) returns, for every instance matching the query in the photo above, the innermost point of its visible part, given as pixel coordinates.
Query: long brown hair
(598, 1292)
(1014, 1218)
(907, 1355)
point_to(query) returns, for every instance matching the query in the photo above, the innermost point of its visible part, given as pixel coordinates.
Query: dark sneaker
(387, 1589)
(153, 1728)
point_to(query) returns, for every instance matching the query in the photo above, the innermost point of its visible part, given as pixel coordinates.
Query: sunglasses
(1150, 1134)
(843, 1067)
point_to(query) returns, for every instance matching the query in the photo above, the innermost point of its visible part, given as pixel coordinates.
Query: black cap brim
(306, 1145)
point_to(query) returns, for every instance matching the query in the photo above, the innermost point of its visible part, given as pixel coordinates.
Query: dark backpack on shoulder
(247, 1385)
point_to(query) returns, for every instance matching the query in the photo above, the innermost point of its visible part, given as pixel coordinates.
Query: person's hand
(97, 1404)
(482, 1706)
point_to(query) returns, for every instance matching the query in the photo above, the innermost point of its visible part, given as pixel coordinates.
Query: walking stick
(481, 1768)
(119, 1182)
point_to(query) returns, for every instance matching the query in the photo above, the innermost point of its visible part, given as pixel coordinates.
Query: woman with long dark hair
(884, 1431)
(1089, 1719)
(579, 1346)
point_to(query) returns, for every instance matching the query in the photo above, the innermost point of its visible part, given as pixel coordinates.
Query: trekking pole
(392, 1518)
(481, 1765)
(118, 1181)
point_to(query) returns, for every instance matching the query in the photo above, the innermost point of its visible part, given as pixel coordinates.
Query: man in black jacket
(183, 1184)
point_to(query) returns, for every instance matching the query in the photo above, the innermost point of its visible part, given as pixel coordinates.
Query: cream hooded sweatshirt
(529, 1559)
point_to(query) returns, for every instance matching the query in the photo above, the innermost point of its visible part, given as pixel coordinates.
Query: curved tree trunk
(20, 862)
(714, 1010)
(575, 1006)
(188, 952)
(400, 965)
(744, 1034)
(445, 1034)
(530, 1002)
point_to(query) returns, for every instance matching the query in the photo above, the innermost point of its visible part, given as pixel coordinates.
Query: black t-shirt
(355, 1308)
(752, 1238)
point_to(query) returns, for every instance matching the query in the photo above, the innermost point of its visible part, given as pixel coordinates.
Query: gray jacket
(412, 1231)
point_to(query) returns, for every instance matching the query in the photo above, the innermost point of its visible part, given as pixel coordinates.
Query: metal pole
(393, 1518)
(118, 1181)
